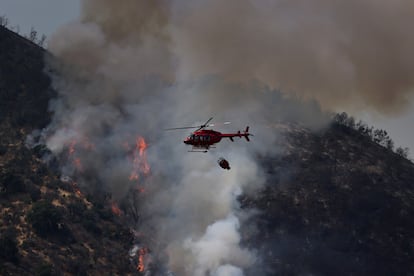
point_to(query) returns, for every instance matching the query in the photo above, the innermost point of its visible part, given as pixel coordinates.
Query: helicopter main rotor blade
(219, 124)
(208, 121)
(205, 124)
(198, 127)
(174, 128)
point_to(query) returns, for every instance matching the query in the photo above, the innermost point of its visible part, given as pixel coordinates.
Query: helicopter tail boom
(239, 134)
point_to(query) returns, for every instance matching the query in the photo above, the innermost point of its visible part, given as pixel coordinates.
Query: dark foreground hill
(334, 203)
(47, 226)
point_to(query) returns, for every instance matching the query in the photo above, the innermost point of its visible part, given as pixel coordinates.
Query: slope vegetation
(335, 203)
(47, 226)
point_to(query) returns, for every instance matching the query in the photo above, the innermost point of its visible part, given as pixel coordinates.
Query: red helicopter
(202, 139)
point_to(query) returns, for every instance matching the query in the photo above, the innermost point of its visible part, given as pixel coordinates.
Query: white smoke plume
(132, 68)
(219, 245)
(228, 270)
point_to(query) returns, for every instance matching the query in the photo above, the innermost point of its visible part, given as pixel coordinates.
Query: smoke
(133, 68)
(228, 270)
(219, 245)
(350, 54)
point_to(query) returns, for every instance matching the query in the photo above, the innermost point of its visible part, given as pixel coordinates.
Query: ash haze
(135, 67)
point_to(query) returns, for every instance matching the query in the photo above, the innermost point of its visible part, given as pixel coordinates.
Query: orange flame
(73, 145)
(140, 163)
(115, 209)
(77, 190)
(141, 262)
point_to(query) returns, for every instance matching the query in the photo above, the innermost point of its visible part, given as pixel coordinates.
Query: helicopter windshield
(198, 138)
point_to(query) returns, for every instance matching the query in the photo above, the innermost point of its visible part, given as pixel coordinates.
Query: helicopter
(203, 139)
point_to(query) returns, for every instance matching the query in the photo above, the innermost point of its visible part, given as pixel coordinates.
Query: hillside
(48, 227)
(335, 204)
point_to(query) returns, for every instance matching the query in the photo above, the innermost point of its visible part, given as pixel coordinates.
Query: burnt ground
(335, 203)
(47, 226)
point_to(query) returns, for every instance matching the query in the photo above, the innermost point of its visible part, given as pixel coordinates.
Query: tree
(341, 118)
(42, 40)
(4, 21)
(17, 29)
(350, 122)
(33, 35)
(404, 152)
(389, 144)
(380, 136)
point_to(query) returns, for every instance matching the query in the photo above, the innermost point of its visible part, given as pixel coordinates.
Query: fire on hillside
(136, 154)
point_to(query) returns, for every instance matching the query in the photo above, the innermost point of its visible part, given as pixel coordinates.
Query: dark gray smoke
(342, 53)
(131, 69)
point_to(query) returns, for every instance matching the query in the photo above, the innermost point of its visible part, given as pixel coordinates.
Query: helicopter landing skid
(195, 149)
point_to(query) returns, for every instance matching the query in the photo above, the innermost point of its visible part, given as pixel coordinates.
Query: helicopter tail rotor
(247, 134)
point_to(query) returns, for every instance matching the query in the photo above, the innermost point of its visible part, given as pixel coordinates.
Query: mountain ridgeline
(335, 202)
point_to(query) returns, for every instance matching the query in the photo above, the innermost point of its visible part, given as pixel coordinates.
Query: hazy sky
(47, 15)
(44, 15)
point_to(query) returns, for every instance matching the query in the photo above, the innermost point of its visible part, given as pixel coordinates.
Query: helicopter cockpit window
(192, 137)
(196, 138)
(207, 138)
